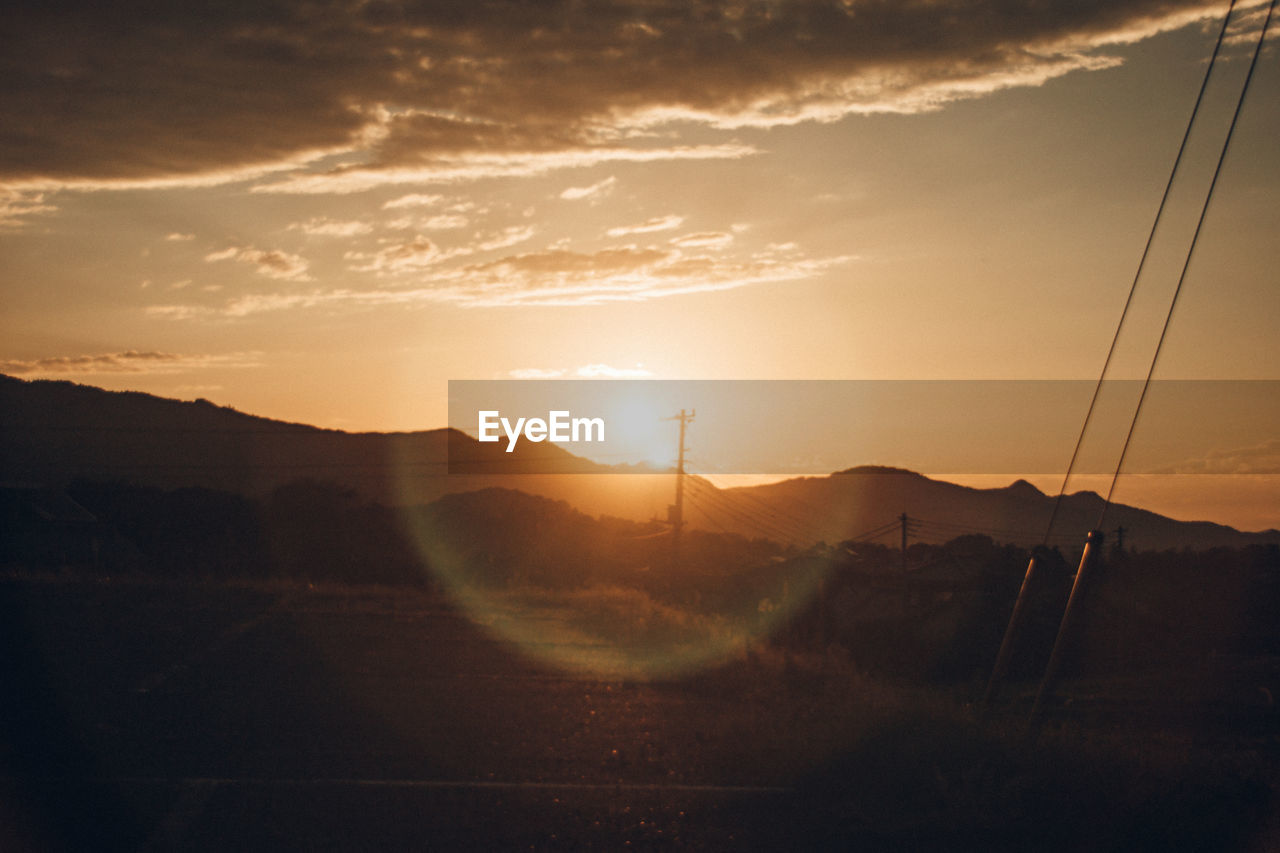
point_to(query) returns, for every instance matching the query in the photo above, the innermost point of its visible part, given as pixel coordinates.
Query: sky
(324, 211)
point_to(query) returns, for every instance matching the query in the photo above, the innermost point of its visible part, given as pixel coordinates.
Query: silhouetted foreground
(153, 714)
(197, 670)
(938, 617)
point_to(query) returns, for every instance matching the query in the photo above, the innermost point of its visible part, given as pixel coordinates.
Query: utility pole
(1093, 544)
(1010, 633)
(903, 518)
(675, 513)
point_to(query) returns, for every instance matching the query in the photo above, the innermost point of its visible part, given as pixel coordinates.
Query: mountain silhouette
(55, 432)
(875, 497)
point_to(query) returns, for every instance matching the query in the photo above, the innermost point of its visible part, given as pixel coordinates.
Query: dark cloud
(138, 90)
(143, 90)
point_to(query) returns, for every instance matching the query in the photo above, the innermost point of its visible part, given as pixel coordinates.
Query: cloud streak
(413, 200)
(18, 206)
(320, 226)
(1263, 458)
(552, 277)
(411, 256)
(271, 263)
(586, 371)
(128, 361)
(593, 191)
(481, 164)
(703, 240)
(657, 223)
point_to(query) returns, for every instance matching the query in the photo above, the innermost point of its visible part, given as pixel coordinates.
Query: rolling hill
(54, 432)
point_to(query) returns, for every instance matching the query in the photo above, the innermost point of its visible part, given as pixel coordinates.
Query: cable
(1146, 250)
(1049, 677)
(875, 532)
(796, 520)
(1195, 237)
(778, 523)
(751, 520)
(1008, 533)
(706, 513)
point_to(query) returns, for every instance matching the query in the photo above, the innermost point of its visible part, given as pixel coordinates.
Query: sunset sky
(323, 211)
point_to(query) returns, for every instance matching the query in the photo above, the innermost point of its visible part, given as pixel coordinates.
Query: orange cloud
(553, 277)
(594, 190)
(321, 226)
(657, 223)
(271, 263)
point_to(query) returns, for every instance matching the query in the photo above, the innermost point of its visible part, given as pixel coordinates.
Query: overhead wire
(706, 513)
(1142, 262)
(1186, 264)
(1051, 668)
(752, 520)
(771, 509)
(793, 529)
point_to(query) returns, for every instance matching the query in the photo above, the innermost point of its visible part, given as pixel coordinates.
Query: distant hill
(54, 432)
(863, 499)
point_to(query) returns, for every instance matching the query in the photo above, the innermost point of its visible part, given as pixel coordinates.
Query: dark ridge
(54, 433)
(1023, 489)
(876, 469)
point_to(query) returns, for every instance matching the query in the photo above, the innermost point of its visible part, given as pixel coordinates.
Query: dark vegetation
(176, 643)
(939, 619)
(304, 635)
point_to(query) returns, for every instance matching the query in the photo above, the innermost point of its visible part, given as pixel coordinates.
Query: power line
(1010, 634)
(1008, 533)
(771, 509)
(763, 518)
(707, 515)
(760, 518)
(875, 532)
(755, 527)
(751, 520)
(1186, 264)
(735, 519)
(1095, 541)
(1142, 262)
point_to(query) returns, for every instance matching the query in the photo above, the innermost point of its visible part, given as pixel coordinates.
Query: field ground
(164, 716)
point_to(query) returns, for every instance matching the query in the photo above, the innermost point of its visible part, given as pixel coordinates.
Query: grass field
(142, 714)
